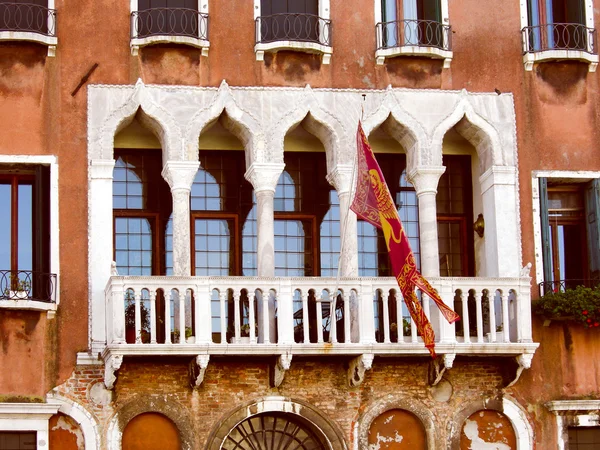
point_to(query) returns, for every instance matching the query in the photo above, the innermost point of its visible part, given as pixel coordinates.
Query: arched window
(488, 429)
(397, 429)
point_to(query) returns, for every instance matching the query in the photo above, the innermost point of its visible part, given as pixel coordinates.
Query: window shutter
(546, 253)
(592, 210)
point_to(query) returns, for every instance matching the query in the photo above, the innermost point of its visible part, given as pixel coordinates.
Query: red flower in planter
(596, 324)
(584, 312)
(589, 321)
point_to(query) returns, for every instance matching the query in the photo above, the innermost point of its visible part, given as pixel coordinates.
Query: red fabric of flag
(373, 203)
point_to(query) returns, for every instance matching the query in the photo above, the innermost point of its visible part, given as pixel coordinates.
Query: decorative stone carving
(525, 270)
(264, 176)
(281, 367)
(438, 367)
(524, 362)
(358, 367)
(341, 178)
(111, 365)
(197, 369)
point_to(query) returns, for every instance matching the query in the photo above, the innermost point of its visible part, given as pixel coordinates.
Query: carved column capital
(101, 169)
(180, 174)
(264, 176)
(341, 178)
(425, 179)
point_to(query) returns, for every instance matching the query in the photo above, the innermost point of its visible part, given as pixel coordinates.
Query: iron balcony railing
(169, 22)
(417, 33)
(26, 17)
(27, 285)
(547, 287)
(559, 36)
(293, 27)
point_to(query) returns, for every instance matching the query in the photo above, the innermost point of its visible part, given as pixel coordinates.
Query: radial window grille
(271, 432)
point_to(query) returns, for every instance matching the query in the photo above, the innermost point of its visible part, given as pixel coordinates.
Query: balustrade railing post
(332, 317)
(285, 313)
(347, 330)
(266, 294)
(479, 314)
(116, 321)
(168, 294)
(492, 311)
(152, 316)
(138, 317)
(367, 313)
(505, 317)
(305, 317)
(203, 314)
(222, 311)
(251, 317)
(447, 331)
(319, 315)
(464, 300)
(523, 311)
(385, 297)
(181, 294)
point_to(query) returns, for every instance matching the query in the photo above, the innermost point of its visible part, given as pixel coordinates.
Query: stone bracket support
(111, 364)
(197, 369)
(281, 367)
(438, 367)
(358, 367)
(524, 362)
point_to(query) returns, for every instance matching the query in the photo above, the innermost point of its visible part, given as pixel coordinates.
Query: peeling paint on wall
(488, 430)
(65, 433)
(397, 430)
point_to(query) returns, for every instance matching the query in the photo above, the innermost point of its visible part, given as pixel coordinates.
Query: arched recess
(151, 115)
(151, 431)
(475, 129)
(322, 124)
(79, 414)
(389, 403)
(237, 121)
(299, 412)
(505, 405)
(169, 408)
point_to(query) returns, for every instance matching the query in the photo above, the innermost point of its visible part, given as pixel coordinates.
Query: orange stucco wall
(557, 123)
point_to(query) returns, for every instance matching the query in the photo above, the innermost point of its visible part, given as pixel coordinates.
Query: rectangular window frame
(234, 236)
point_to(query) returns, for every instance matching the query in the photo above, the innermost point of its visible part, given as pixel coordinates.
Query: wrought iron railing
(293, 27)
(559, 36)
(169, 22)
(27, 17)
(417, 33)
(27, 285)
(547, 287)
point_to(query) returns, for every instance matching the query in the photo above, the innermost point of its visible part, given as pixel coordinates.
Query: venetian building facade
(187, 273)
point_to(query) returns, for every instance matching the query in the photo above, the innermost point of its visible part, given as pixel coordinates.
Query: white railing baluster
(251, 318)
(347, 331)
(464, 299)
(138, 317)
(333, 318)
(492, 312)
(385, 299)
(237, 320)
(181, 295)
(167, 294)
(265, 301)
(223, 309)
(479, 314)
(152, 316)
(319, 306)
(505, 317)
(305, 315)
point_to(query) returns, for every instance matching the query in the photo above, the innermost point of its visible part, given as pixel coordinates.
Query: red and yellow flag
(373, 203)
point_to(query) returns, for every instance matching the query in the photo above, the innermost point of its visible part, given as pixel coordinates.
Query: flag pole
(344, 230)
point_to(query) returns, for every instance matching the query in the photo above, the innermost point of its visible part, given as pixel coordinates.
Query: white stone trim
(51, 161)
(518, 418)
(50, 41)
(28, 417)
(79, 414)
(310, 47)
(530, 58)
(573, 413)
(535, 196)
(202, 44)
(414, 50)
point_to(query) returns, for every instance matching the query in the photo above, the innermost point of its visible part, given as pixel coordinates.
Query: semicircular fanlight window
(272, 432)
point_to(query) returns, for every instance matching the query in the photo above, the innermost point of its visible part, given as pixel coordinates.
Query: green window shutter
(546, 253)
(592, 211)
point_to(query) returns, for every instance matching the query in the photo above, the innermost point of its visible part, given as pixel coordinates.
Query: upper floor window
(564, 26)
(170, 21)
(293, 24)
(25, 234)
(412, 27)
(569, 214)
(30, 20)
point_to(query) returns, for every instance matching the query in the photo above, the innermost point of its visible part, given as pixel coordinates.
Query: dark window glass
(24, 15)
(584, 438)
(167, 17)
(295, 20)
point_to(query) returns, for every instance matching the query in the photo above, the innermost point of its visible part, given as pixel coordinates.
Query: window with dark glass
(18, 440)
(454, 203)
(569, 215)
(289, 20)
(584, 438)
(558, 24)
(25, 233)
(169, 18)
(24, 16)
(412, 23)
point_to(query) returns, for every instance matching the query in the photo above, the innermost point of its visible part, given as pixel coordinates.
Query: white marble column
(100, 217)
(425, 180)
(501, 234)
(264, 177)
(341, 178)
(180, 176)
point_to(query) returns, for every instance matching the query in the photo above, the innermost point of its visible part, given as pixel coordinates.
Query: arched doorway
(488, 429)
(270, 431)
(151, 431)
(397, 429)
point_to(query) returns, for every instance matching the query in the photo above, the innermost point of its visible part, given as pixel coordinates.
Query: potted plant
(580, 306)
(130, 336)
(18, 288)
